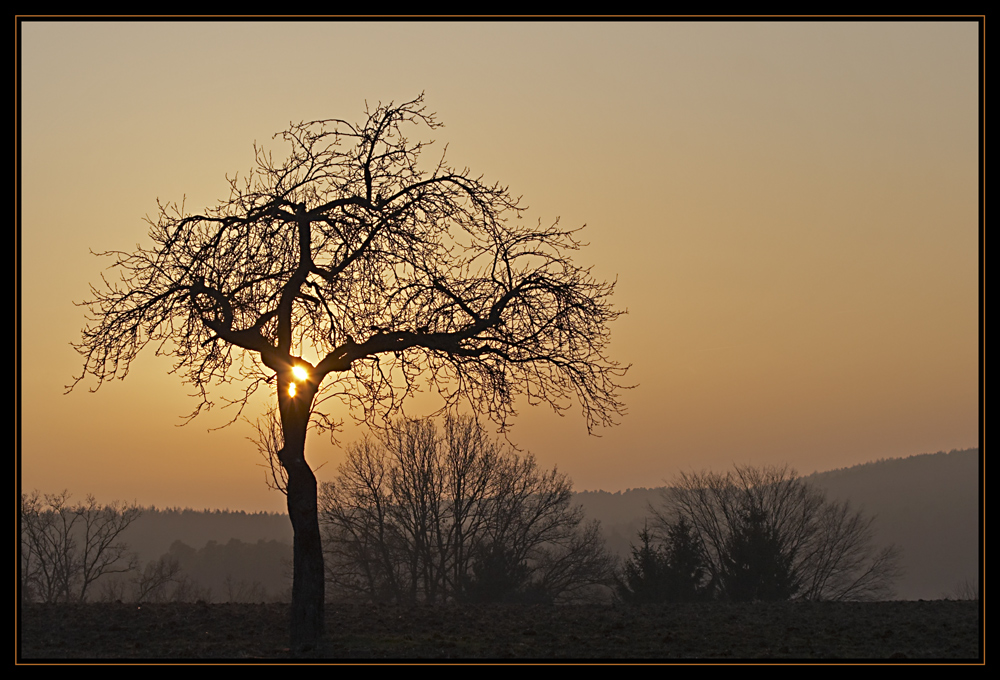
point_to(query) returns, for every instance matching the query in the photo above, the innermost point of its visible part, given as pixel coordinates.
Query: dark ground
(899, 631)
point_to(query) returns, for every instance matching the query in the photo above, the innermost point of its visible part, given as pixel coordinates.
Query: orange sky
(790, 208)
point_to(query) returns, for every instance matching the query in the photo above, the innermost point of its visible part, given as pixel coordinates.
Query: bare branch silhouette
(767, 534)
(438, 515)
(66, 549)
(394, 277)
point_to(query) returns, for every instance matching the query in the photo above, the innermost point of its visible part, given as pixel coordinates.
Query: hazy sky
(790, 209)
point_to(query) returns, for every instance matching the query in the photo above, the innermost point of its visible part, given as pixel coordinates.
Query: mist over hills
(928, 505)
(156, 530)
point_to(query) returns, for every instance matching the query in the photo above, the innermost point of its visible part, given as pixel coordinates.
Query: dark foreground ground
(903, 631)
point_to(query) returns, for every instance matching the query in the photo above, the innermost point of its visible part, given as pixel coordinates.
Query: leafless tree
(967, 590)
(842, 561)
(66, 548)
(244, 591)
(430, 516)
(150, 585)
(390, 274)
(783, 528)
(575, 567)
(188, 589)
(270, 443)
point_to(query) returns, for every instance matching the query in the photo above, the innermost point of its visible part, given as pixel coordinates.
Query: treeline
(423, 515)
(156, 529)
(429, 513)
(76, 552)
(217, 572)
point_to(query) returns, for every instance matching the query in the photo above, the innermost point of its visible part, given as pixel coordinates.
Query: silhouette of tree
(389, 274)
(643, 577)
(673, 572)
(766, 534)
(685, 563)
(756, 565)
(968, 590)
(150, 584)
(435, 516)
(66, 549)
(499, 575)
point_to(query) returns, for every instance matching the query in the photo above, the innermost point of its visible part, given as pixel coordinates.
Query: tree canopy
(433, 514)
(350, 259)
(386, 273)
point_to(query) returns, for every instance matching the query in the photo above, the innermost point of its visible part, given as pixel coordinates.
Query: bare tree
(390, 274)
(430, 516)
(574, 567)
(66, 548)
(843, 562)
(150, 585)
(767, 534)
(967, 590)
(270, 443)
(244, 591)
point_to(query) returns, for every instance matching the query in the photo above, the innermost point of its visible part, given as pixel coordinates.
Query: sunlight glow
(300, 373)
(291, 389)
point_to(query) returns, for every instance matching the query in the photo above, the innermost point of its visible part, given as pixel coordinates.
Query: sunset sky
(790, 209)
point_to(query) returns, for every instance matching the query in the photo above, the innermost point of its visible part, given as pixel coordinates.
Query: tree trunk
(308, 575)
(307, 580)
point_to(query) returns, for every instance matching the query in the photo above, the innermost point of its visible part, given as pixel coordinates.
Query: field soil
(809, 631)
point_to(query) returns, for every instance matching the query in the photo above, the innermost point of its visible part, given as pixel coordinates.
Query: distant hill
(622, 514)
(155, 531)
(928, 505)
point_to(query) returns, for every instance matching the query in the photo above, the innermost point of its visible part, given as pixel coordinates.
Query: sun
(300, 373)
